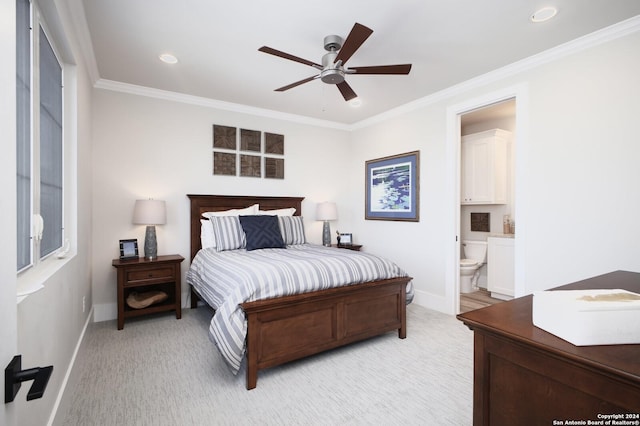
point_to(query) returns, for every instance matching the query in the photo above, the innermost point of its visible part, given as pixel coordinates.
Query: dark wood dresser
(524, 375)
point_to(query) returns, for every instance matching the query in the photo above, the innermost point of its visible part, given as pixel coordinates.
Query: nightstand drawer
(138, 276)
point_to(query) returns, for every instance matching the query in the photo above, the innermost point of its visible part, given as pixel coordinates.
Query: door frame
(8, 248)
(453, 149)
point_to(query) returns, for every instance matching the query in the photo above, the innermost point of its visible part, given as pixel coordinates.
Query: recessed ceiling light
(356, 102)
(544, 14)
(168, 58)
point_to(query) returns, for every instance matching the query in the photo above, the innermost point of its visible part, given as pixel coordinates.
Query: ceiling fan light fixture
(332, 76)
(355, 102)
(333, 68)
(544, 14)
(168, 58)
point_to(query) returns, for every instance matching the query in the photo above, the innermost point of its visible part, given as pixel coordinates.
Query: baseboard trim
(105, 312)
(431, 301)
(56, 405)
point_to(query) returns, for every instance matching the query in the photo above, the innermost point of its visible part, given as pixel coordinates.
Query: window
(39, 111)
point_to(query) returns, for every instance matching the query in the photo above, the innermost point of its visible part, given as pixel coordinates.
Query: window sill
(33, 279)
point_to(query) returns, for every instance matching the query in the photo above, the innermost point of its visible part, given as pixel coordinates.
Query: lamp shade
(150, 212)
(326, 211)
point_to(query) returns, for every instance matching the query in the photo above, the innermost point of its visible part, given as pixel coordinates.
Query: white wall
(416, 246)
(576, 198)
(51, 321)
(581, 165)
(150, 148)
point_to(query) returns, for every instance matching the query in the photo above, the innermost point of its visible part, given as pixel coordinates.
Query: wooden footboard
(289, 328)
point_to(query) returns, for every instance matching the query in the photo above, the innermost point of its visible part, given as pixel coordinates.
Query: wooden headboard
(216, 203)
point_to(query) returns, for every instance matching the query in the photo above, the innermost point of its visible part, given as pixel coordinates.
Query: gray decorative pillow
(229, 233)
(292, 229)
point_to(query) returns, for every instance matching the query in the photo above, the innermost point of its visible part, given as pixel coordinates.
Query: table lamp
(150, 213)
(326, 211)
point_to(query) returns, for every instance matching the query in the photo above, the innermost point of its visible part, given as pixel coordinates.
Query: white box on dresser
(589, 317)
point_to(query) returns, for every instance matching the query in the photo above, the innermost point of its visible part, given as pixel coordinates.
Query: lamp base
(326, 234)
(150, 243)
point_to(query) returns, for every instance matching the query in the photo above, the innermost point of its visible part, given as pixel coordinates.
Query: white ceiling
(217, 43)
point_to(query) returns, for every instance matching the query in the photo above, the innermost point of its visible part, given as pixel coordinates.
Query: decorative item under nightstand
(141, 275)
(137, 300)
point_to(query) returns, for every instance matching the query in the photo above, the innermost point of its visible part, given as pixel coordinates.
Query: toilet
(475, 255)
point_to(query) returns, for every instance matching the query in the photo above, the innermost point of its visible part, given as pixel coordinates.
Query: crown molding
(213, 103)
(613, 32)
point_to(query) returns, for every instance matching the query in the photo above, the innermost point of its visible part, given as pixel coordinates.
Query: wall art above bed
(392, 186)
(249, 153)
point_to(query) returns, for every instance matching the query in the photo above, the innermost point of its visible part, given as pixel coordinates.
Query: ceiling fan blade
(284, 55)
(359, 33)
(382, 69)
(347, 91)
(297, 83)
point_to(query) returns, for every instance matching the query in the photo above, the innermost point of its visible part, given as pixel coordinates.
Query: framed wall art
(392, 187)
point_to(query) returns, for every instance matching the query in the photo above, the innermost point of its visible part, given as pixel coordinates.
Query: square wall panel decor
(224, 137)
(224, 164)
(273, 144)
(247, 153)
(250, 140)
(274, 168)
(480, 222)
(250, 165)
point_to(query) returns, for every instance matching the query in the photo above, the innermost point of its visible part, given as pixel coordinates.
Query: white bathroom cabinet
(500, 267)
(485, 163)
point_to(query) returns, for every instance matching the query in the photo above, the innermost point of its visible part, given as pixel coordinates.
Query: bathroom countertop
(502, 235)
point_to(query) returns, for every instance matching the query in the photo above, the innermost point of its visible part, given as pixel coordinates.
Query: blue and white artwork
(392, 187)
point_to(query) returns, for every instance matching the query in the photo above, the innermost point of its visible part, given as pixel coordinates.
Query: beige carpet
(163, 371)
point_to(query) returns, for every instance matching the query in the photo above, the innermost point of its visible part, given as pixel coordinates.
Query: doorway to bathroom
(487, 200)
(520, 94)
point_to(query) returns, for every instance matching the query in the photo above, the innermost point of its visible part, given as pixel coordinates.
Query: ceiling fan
(333, 69)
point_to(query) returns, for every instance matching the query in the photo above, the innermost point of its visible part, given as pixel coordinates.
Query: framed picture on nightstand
(128, 249)
(345, 239)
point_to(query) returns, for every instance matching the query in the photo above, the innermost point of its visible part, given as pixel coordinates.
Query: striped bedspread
(228, 278)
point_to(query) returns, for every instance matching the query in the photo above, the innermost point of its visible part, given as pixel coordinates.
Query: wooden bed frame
(287, 328)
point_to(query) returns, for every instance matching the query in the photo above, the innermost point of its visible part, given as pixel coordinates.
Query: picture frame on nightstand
(129, 249)
(346, 239)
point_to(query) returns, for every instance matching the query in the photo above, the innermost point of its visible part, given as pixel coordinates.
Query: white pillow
(277, 212)
(251, 210)
(207, 237)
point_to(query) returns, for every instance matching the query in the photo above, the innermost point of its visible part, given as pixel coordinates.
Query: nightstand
(141, 275)
(354, 247)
